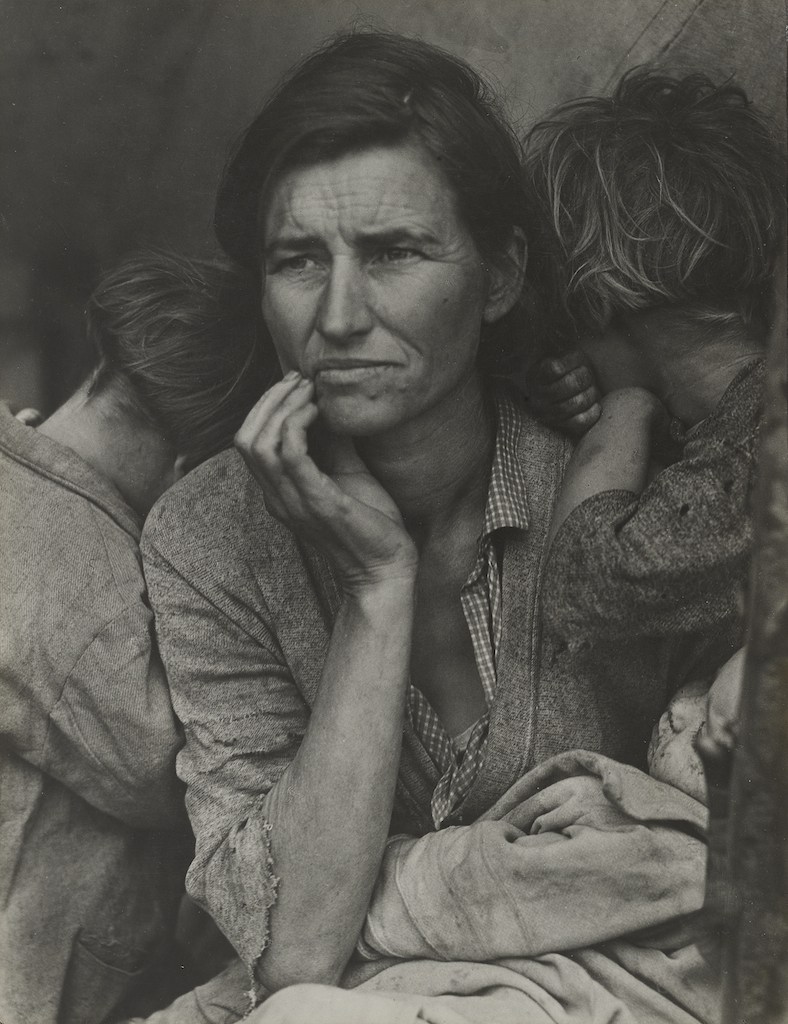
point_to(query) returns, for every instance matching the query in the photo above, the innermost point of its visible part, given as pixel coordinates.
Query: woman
(348, 614)
(95, 838)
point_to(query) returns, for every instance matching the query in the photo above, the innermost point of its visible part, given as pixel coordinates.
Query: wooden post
(748, 870)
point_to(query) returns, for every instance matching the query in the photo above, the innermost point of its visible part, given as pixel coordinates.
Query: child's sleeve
(673, 560)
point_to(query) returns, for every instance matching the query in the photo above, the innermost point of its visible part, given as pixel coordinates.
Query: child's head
(697, 713)
(668, 193)
(672, 756)
(179, 345)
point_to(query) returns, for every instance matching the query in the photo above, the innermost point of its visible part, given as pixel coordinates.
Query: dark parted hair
(667, 193)
(179, 340)
(364, 89)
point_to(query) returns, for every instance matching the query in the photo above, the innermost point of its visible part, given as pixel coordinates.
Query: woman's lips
(338, 374)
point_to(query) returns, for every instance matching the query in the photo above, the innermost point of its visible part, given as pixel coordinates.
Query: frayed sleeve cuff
(242, 882)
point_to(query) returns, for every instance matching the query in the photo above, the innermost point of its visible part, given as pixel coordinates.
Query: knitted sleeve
(675, 559)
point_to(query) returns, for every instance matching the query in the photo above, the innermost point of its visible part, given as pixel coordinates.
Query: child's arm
(673, 560)
(614, 454)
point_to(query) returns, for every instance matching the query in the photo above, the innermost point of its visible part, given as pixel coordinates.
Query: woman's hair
(365, 89)
(178, 340)
(667, 193)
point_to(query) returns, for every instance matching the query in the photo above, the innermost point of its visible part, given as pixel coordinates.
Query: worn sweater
(673, 560)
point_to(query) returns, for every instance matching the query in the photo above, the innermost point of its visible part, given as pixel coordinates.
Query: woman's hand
(579, 800)
(345, 512)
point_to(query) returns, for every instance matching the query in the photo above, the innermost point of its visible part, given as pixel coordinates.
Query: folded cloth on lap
(590, 921)
(627, 855)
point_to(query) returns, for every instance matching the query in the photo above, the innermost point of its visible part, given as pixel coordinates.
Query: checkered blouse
(481, 603)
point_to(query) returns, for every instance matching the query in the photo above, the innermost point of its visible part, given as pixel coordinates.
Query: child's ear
(506, 278)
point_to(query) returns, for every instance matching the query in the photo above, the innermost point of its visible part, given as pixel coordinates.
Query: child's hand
(564, 394)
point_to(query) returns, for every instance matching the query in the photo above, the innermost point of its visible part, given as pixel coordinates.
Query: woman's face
(373, 286)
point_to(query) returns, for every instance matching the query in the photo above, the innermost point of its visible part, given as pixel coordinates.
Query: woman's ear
(506, 279)
(180, 468)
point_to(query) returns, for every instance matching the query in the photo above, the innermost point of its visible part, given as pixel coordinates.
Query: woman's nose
(344, 309)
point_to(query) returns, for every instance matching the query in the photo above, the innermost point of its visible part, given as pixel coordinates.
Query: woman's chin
(355, 416)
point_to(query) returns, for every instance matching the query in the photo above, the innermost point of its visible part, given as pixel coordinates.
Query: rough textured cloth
(629, 856)
(594, 923)
(674, 559)
(92, 844)
(497, 923)
(244, 616)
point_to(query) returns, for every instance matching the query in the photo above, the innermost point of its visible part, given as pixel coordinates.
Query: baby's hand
(717, 738)
(564, 394)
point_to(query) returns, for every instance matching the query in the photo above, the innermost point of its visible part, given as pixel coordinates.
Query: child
(702, 716)
(95, 836)
(662, 213)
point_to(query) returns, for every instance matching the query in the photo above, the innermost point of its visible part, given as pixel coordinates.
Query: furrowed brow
(397, 236)
(287, 243)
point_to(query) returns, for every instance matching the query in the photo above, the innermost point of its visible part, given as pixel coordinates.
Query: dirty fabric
(496, 923)
(94, 836)
(480, 597)
(629, 855)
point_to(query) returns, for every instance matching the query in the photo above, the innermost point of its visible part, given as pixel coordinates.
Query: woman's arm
(330, 812)
(570, 866)
(318, 807)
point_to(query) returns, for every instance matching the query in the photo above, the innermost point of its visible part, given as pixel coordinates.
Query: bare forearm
(330, 813)
(613, 455)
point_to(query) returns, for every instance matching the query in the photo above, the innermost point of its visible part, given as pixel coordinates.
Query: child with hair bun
(661, 210)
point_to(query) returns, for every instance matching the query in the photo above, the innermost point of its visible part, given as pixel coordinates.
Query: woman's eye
(292, 264)
(398, 254)
(295, 263)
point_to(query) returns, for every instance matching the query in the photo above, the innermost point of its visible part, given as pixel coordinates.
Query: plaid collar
(507, 503)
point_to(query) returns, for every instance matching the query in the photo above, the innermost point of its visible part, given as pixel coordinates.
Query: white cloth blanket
(572, 901)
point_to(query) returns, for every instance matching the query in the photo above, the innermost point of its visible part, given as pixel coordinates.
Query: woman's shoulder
(217, 510)
(539, 449)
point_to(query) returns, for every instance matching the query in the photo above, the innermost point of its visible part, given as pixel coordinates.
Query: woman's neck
(131, 455)
(436, 468)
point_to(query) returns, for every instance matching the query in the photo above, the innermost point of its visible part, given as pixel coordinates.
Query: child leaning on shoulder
(661, 223)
